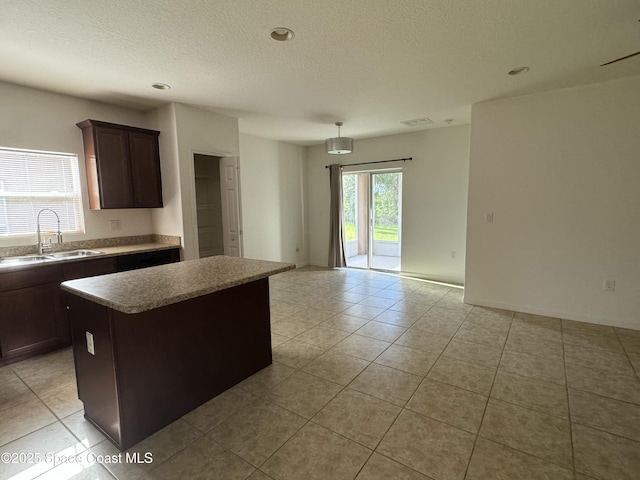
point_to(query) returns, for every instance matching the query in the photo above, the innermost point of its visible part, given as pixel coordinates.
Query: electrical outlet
(453, 255)
(91, 348)
(115, 224)
(609, 284)
(488, 217)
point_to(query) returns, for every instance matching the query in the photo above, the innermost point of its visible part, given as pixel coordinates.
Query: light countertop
(137, 291)
(136, 248)
(105, 252)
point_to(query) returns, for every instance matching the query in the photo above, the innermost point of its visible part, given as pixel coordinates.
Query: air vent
(418, 122)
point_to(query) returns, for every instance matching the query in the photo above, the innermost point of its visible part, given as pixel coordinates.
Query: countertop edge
(105, 252)
(146, 306)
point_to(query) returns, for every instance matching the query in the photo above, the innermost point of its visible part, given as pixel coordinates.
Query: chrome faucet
(46, 246)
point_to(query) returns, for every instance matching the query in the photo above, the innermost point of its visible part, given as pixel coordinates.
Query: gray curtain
(336, 232)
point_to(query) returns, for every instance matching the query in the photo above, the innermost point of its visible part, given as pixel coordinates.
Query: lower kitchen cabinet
(88, 268)
(33, 313)
(33, 318)
(32, 321)
(135, 261)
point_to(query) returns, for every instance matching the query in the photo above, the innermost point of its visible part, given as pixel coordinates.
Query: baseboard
(578, 317)
(450, 281)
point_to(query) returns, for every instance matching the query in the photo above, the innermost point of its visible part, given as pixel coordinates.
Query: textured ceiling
(369, 63)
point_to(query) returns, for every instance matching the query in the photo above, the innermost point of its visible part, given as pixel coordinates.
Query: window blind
(31, 181)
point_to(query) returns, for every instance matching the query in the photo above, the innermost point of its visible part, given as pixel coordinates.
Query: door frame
(370, 208)
(193, 213)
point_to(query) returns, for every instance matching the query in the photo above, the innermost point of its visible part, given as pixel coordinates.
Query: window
(31, 181)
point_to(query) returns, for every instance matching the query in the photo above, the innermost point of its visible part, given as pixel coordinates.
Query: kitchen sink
(72, 254)
(26, 260)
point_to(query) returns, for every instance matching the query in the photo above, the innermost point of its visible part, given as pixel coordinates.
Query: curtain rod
(369, 163)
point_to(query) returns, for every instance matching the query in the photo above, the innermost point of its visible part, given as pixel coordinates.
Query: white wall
(561, 173)
(273, 200)
(199, 131)
(434, 197)
(38, 120)
(168, 220)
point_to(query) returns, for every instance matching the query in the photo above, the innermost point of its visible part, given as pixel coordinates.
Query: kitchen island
(151, 345)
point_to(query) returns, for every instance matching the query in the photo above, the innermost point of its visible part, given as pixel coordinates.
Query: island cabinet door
(94, 362)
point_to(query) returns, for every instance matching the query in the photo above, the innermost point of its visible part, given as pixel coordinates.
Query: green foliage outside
(385, 233)
(385, 199)
(349, 200)
(379, 232)
(349, 231)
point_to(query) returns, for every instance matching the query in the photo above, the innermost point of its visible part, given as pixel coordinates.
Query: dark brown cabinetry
(135, 261)
(153, 367)
(89, 268)
(123, 165)
(32, 318)
(33, 313)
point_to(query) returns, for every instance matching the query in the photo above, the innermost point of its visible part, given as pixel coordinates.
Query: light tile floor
(374, 377)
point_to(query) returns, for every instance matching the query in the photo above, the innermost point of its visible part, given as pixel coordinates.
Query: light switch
(90, 346)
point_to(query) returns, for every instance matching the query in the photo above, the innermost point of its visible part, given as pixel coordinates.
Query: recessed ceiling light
(519, 71)
(282, 34)
(161, 86)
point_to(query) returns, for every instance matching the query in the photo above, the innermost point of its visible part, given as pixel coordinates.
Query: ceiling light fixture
(282, 34)
(161, 86)
(519, 71)
(339, 145)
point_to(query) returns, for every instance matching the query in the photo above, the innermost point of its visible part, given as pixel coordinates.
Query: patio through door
(372, 203)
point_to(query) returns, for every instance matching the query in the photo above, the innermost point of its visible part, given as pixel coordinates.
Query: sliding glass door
(372, 203)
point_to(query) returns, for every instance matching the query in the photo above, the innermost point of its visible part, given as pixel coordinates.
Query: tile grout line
(307, 421)
(627, 354)
(346, 386)
(57, 420)
(532, 410)
(564, 365)
(413, 394)
(484, 412)
(497, 368)
(343, 388)
(545, 380)
(571, 421)
(403, 408)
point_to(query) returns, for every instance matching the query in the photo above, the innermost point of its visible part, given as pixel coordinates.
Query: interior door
(230, 206)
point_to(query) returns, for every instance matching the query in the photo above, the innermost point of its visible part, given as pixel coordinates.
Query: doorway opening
(372, 212)
(208, 205)
(217, 205)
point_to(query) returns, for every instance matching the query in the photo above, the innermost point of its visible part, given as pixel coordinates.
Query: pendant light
(339, 145)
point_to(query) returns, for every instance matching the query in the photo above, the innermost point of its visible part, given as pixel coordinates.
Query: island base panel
(95, 374)
(151, 368)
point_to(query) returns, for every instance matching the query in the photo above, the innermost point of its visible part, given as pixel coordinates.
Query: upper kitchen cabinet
(123, 166)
